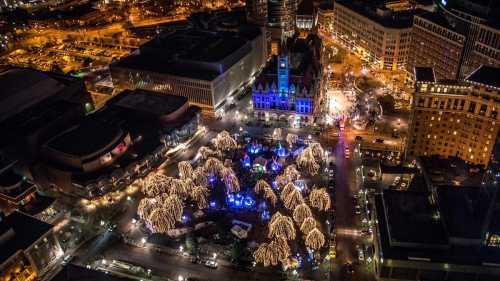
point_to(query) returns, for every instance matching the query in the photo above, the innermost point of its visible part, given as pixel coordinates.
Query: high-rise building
(454, 118)
(282, 15)
(380, 34)
(257, 12)
(456, 38)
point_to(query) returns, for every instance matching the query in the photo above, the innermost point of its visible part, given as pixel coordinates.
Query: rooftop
(413, 218)
(424, 74)
(465, 210)
(22, 88)
(150, 102)
(91, 135)
(486, 75)
(193, 53)
(451, 171)
(375, 11)
(18, 231)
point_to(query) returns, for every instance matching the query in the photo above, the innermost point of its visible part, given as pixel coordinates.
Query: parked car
(211, 264)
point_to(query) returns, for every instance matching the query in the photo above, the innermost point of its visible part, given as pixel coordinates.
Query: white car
(211, 264)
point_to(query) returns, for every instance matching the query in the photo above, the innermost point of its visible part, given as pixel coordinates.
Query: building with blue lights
(286, 90)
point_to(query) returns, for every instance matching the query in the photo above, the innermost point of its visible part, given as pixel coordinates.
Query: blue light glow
(300, 185)
(238, 201)
(247, 163)
(265, 215)
(212, 204)
(275, 166)
(211, 179)
(255, 148)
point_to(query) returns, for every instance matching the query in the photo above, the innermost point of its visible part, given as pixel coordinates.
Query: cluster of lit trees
(310, 158)
(165, 196)
(282, 228)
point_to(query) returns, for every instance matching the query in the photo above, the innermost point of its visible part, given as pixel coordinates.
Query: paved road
(347, 222)
(172, 266)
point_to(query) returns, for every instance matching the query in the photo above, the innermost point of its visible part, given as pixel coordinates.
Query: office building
(256, 11)
(305, 17)
(457, 38)
(29, 248)
(436, 221)
(109, 148)
(281, 18)
(287, 88)
(455, 118)
(325, 18)
(380, 34)
(202, 65)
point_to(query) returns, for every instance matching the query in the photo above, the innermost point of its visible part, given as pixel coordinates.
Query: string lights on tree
(315, 239)
(307, 225)
(280, 225)
(320, 199)
(301, 212)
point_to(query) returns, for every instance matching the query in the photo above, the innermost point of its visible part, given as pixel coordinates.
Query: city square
(164, 140)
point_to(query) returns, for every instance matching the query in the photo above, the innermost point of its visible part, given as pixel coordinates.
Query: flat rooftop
(399, 19)
(90, 135)
(23, 87)
(465, 210)
(18, 231)
(150, 102)
(451, 171)
(486, 75)
(413, 218)
(424, 74)
(193, 53)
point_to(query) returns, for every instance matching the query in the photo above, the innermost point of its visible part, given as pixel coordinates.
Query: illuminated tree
(301, 212)
(224, 141)
(160, 221)
(199, 195)
(307, 225)
(206, 152)
(306, 160)
(280, 225)
(200, 177)
(289, 188)
(213, 166)
(266, 255)
(146, 206)
(281, 180)
(291, 173)
(320, 199)
(270, 196)
(260, 186)
(156, 184)
(173, 206)
(315, 239)
(293, 199)
(291, 139)
(178, 187)
(280, 244)
(185, 169)
(317, 151)
(230, 180)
